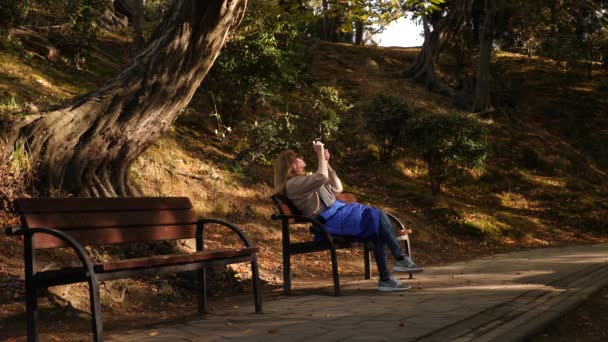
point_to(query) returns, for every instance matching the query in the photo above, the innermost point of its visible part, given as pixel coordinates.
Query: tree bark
(331, 21)
(425, 63)
(87, 148)
(138, 24)
(359, 27)
(36, 42)
(444, 28)
(435, 177)
(483, 99)
(325, 30)
(113, 19)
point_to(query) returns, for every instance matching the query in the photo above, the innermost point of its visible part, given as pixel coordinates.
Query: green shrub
(386, 116)
(447, 143)
(322, 114)
(11, 12)
(83, 21)
(316, 114)
(266, 137)
(262, 60)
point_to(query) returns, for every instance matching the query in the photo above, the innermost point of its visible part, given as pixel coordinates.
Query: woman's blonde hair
(283, 170)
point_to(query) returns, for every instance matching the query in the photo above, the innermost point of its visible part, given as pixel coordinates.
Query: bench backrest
(96, 221)
(285, 206)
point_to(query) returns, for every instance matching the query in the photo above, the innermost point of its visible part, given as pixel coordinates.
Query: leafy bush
(267, 137)
(262, 60)
(387, 116)
(259, 87)
(447, 143)
(83, 22)
(322, 113)
(11, 12)
(315, 115)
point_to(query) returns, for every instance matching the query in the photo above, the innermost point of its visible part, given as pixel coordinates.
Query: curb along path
(504, 297)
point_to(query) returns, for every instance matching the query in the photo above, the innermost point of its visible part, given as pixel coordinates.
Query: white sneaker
(392, 284)
(406, 265)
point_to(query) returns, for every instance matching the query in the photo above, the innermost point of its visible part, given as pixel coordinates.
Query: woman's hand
(318, 147)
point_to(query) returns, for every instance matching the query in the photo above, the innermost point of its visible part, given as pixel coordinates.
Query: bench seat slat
(68, 205)
(174, 259)
(311, 246)
(76, 274)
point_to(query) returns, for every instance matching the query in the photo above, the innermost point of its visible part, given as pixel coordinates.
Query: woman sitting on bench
(314, 196)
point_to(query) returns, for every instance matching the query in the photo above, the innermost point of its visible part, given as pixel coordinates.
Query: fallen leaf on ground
(273, 331)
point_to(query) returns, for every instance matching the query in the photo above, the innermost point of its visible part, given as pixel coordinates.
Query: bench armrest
(308, 219)
(229, 225)
(14, 231)
(78, 248)
(401, 226)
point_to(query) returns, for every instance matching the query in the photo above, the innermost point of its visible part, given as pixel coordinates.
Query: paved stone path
(504, 297)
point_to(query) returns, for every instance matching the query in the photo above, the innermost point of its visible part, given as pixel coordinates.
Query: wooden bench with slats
(78, 222)
(289, 215)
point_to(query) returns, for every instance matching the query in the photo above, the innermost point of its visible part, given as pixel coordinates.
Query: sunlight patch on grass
(583, 89)
(515, 201)
(412, 168)
(544, 181)
(169, 169)
(30, 85)
(485, 225)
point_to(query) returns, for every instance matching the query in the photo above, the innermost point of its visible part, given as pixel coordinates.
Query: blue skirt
(354, 220)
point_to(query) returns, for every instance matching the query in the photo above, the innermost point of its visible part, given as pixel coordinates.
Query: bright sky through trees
(403, 32)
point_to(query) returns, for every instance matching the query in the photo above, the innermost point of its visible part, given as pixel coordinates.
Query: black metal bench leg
(255, 278)
(202, 291)
(334, 267)
(95, 303)
(367, 257)
(31, 303)
(286, 272)
(31, 298)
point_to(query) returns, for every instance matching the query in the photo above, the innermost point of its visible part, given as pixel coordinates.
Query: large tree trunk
(335, 26)
(138, 24)
(444, 28)
(113, 19)
(87, 148)
(134, 11)
(36, 42)
(325, 30)
(423, 70)
(359, 28)
(331, 21)
(483, 100)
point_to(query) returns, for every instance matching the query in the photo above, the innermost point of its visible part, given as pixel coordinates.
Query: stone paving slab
(504, 297)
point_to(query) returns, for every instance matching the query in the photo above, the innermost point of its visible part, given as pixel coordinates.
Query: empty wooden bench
(291, 216)
(78, 222)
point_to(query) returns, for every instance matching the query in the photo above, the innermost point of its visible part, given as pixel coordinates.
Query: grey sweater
(303, 191)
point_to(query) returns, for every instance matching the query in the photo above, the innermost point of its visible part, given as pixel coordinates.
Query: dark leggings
(386, 237)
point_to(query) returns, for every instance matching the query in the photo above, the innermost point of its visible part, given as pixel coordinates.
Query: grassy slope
(538, 189)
